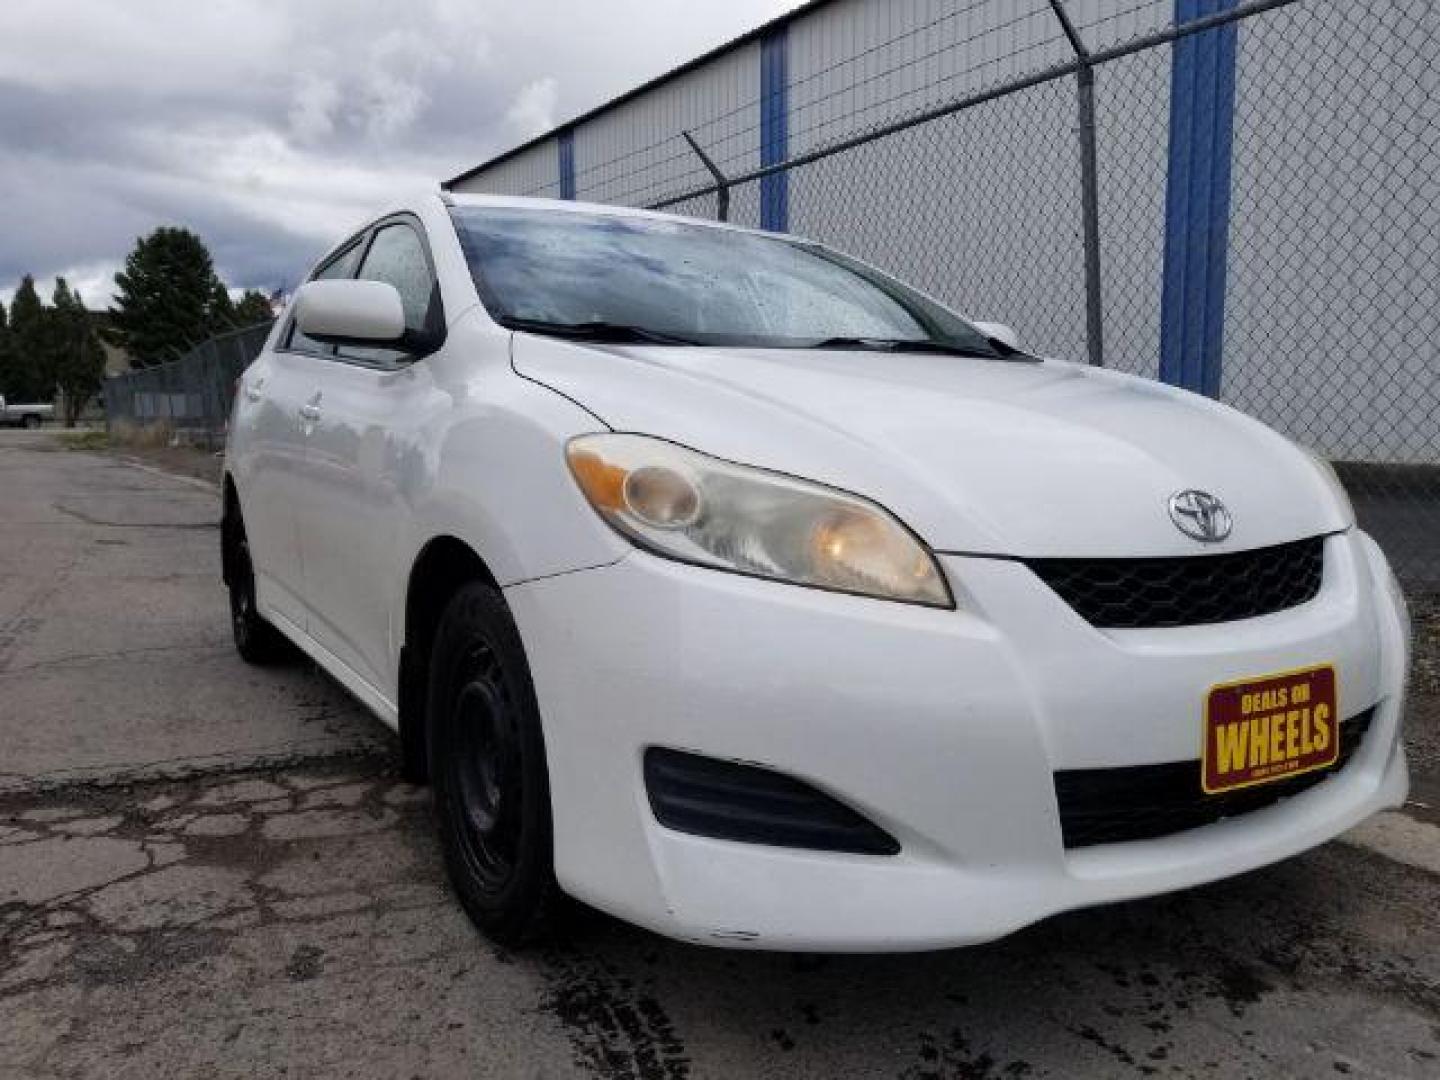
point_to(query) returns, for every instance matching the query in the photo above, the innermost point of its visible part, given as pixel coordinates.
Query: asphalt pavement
(207, 870)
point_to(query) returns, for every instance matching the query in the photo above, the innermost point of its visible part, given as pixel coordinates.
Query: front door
(366, 406)
(267, 412)
(271, 400)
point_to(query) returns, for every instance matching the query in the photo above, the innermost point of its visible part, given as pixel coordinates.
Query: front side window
(340, 266)
(397, 257)
(539, 269)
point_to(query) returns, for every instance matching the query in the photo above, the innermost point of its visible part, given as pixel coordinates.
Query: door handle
(310, 411)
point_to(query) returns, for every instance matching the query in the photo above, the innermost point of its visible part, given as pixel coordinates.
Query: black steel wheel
(492, 792)
(256, 640)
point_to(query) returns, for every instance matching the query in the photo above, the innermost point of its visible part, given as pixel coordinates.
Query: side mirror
(365, 314)
(997, 331)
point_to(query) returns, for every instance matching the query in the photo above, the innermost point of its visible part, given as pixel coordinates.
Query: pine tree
(168, 298)
(253, 307)
(222, 310)
(78, 360)
(25, 376)
(7, 353)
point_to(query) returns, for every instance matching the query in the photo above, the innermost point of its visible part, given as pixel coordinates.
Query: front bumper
(945, 728)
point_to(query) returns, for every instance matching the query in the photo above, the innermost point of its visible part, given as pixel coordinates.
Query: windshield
(672, 281)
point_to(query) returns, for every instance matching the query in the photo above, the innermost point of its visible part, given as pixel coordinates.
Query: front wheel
(256, 640)
(32, 422)
(492, 791)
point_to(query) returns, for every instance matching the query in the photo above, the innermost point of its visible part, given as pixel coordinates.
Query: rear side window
(397, 257)
(341, 266)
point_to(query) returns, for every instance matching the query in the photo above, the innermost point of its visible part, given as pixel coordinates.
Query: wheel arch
(230, 517)
(443, 565)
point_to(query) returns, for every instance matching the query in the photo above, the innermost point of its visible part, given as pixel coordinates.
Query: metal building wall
(634, 153)
(534, 171)
(1132, 115)
(855, 64)
(946, 204)
(1312, 344)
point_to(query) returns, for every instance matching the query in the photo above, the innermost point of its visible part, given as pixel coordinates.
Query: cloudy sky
(270, 126)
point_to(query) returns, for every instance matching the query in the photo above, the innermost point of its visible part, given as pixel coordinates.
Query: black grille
(1142, 802)
(1189, 591)
(708, 797)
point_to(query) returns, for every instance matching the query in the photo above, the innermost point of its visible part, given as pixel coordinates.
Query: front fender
(494, 477)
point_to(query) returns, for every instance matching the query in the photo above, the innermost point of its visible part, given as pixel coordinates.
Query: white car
(726, 584)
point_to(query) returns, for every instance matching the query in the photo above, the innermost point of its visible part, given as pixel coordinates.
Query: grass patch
(149, 436)
(85, 440)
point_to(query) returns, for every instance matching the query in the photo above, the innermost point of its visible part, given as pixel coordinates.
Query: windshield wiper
(619, 333)
(915, 345)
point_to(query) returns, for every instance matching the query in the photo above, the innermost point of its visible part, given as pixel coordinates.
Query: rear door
(272, 393)
(368, 405)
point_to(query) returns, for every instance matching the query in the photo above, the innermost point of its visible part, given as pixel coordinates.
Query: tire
(487, 765)
(31, 422)
(256, 640)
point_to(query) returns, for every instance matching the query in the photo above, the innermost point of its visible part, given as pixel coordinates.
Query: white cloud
(312, 110)
(95, 282)
(270, 126)
(533, 110)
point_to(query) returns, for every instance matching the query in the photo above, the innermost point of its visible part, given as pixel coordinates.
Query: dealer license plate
(1270, 727)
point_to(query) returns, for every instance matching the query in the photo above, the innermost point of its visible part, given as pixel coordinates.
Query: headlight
(697, 509)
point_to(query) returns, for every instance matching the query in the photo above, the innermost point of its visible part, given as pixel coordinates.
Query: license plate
(1270, 727)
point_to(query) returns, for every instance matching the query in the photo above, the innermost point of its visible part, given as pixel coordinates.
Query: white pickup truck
(24, 415)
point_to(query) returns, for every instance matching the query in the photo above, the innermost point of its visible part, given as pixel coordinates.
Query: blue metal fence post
(774, 130)
(1197, 202)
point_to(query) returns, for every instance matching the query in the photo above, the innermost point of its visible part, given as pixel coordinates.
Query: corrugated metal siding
(1103, 23)
(944, 204)
(534, 172)
(1132, 117)
(855, 64)
(1308, 327)
(635, 154)
(940, 204)
(944, 207)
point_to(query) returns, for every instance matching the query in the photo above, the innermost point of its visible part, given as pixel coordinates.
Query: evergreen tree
(78, 361)
(7, 353)
(168, 298)
(222, 310)
(26, 378)
(253, 307)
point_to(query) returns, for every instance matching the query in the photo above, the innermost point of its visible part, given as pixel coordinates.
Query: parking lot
(212, 870)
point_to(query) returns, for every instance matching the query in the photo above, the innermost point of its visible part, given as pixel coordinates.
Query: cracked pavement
(207, 870)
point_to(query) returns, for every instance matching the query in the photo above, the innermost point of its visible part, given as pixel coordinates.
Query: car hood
(1017, 458)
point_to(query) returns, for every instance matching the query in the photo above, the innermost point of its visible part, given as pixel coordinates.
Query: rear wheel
(32, 422)
(492, 792)
(256, 640)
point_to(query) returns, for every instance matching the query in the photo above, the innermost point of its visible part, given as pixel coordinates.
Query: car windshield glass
(627, 278)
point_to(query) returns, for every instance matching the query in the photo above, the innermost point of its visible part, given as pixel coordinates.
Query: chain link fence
(192, 395)
(1317, 202)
